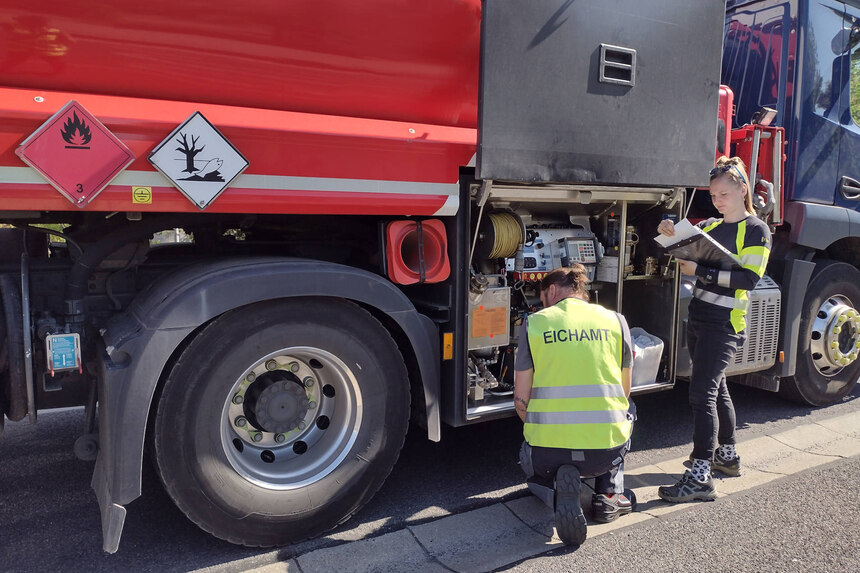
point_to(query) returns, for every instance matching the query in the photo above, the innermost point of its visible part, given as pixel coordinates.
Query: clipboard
(692, 244)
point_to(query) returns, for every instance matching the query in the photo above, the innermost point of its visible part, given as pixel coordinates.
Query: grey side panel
(796, 279)
(854, 223)
(819, 226)
(140, 343)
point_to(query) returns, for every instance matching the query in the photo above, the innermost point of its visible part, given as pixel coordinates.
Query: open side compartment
(525, 232)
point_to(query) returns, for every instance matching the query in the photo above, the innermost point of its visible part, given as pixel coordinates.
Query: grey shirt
(524, 360)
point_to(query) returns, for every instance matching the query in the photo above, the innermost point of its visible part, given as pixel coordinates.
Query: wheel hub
(835, 340)
(291, 417)
(277, 402)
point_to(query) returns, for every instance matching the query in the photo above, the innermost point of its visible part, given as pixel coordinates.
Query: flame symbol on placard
(75, 132)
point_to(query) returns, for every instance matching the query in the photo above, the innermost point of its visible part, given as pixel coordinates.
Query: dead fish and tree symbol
(209, 170)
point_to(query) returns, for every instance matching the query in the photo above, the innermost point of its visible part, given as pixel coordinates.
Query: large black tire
(820, 378)
(281, 419)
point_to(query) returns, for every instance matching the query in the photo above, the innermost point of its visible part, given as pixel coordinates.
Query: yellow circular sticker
(141, 195)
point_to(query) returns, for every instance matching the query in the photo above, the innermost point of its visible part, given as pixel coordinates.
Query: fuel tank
(405, 60)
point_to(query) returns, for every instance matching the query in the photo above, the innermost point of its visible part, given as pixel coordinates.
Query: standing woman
(715, 328)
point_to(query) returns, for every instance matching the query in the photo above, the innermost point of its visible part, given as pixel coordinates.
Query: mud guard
(819, 226)
(140, 342)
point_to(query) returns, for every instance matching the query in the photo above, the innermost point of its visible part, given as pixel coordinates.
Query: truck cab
(800, 58)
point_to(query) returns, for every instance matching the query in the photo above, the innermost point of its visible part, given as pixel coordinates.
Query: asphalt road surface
(806, 522)
(49, 517)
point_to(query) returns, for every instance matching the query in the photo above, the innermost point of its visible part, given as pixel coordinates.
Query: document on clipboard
(692, 244)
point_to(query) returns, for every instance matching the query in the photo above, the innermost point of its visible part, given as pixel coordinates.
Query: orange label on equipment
(488, 322)
(447, 345)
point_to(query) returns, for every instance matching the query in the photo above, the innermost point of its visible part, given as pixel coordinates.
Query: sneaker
(730, 467)
(569, 519)
(688, 489)
(608, 508)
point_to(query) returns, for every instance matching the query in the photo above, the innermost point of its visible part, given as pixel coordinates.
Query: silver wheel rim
(308, 443)
(835, 336)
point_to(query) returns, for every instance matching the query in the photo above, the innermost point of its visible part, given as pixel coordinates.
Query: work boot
(609, 507)
(569, 520)
(688, 489)
(730, 467)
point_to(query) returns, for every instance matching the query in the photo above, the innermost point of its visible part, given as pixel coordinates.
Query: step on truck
(256, 242)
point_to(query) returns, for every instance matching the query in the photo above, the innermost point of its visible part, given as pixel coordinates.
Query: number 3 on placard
(79, 187)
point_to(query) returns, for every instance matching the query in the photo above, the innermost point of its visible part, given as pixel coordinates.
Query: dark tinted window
(759, 46)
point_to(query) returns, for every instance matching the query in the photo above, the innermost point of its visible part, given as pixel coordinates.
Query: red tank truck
(256, 241)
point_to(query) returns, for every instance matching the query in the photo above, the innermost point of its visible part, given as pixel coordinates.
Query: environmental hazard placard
(198, 160)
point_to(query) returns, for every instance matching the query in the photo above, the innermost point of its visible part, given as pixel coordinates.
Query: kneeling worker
(571, 387)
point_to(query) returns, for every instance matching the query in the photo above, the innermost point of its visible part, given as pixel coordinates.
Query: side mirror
(764, 116)
(841, 42)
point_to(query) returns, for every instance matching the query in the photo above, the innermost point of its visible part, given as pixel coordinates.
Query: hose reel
(499, 236)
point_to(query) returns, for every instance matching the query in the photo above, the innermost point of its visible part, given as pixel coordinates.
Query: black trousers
(540, 464)
(712, 348)
(606, 466)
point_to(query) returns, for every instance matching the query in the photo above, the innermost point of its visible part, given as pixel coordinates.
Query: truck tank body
(339, 107)
(404, 60)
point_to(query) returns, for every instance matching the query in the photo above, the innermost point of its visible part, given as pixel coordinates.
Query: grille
(759, 350)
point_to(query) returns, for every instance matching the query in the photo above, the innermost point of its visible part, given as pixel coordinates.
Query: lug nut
(280, 438)
(312, 405)
(294, 366)
(238, 399)
(834, 344)
(309, 382)
(251, 377)
(271, 365)
(302, 425)
(837, 329)
(241, 421)
(258, 437)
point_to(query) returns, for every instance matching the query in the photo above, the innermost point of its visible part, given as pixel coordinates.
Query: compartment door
(598, 91)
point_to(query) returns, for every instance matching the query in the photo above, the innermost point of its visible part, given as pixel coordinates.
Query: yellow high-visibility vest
(577, 400)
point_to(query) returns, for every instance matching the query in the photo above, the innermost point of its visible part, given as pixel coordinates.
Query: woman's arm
(753, 256)
(744, 279)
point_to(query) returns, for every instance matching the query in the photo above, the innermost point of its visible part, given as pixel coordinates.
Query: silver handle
(850, 188)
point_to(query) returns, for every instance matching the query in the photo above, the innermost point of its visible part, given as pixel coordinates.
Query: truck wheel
(281, 419)
(829, 342)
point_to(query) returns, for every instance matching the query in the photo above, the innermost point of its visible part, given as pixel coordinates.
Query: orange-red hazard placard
(76, 153)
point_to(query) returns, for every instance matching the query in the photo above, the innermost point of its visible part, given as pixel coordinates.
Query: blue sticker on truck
(63, 352)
